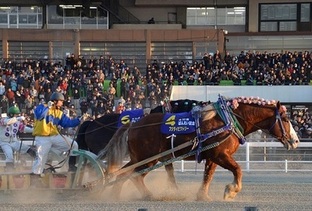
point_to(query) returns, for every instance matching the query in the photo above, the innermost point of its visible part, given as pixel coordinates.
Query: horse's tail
(116, 150)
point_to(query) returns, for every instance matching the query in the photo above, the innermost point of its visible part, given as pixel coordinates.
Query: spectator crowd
(82, 81)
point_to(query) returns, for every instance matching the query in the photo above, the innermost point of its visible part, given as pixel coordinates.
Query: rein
(99, 128)
(61, 163)
(108, 126)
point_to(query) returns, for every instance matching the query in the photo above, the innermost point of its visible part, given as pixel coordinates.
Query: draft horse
(94, 135)
(220, 128)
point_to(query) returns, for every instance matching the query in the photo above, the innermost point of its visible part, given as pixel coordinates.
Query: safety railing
(263, 156)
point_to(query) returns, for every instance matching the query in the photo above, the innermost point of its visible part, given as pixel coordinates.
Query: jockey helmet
(14, 110)
(57, 96)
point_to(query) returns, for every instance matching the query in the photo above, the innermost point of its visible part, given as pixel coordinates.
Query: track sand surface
(263, 190)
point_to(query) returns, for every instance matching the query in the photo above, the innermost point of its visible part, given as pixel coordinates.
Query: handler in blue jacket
(47, 119)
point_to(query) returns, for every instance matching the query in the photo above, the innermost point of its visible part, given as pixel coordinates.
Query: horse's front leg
(210, 168)
(233, 188)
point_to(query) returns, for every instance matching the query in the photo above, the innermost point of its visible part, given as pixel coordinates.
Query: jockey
(47, 136)
(9, 141)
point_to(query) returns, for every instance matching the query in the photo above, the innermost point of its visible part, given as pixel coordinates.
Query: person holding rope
(47, 118)
(9, 141)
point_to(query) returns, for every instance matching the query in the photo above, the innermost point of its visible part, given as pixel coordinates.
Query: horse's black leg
(210, 168)
(171, 178)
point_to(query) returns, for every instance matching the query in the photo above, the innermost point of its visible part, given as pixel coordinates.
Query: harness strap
(231, 124)
(172, 136)
(226, 113)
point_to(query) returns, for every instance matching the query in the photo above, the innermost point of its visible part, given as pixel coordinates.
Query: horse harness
(278, 119)
(231, 124)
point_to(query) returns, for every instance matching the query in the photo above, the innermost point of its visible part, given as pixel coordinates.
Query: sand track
(265, 191)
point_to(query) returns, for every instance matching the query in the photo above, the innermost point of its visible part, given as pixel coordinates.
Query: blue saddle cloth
(178, 123)
(130, 116)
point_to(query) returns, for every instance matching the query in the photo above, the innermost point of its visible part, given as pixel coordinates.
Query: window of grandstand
(133, 53)
(75, 17)
(204, 47)
(61, 49)
(227, 18)
(28, 50)
(164, 51)
(21, 17)
(285, 17)
(305, 12)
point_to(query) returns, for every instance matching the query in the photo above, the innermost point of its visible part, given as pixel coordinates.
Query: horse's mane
(234, 102)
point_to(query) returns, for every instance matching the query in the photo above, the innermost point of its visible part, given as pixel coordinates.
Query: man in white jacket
(9, 141)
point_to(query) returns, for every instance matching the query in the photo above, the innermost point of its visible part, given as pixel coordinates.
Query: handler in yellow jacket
(47, 136)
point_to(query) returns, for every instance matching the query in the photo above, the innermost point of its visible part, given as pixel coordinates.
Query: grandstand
(103, 34)
(183, 30)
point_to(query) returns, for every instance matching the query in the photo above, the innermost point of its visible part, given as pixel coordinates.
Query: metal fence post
(247, 156)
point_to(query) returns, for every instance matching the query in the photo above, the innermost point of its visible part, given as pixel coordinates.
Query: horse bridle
(278, 119)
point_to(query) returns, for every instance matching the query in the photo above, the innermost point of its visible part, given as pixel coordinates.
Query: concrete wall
(285, 94)
(147, 26)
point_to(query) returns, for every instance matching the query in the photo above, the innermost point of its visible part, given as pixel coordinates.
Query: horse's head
(256, 113)
(282, 128)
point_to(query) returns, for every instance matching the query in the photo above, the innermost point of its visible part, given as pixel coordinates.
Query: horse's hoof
(230, 192)
(229, 195)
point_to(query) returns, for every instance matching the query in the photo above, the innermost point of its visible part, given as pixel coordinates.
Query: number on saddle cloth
(178, 123)
(130, 116)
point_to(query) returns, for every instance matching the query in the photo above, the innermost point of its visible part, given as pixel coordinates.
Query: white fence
(263, 156)
(259, 155)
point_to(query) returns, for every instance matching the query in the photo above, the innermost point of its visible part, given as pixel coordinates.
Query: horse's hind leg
(210, 168)
(120, 180)
(171, 178)
(138, 181)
